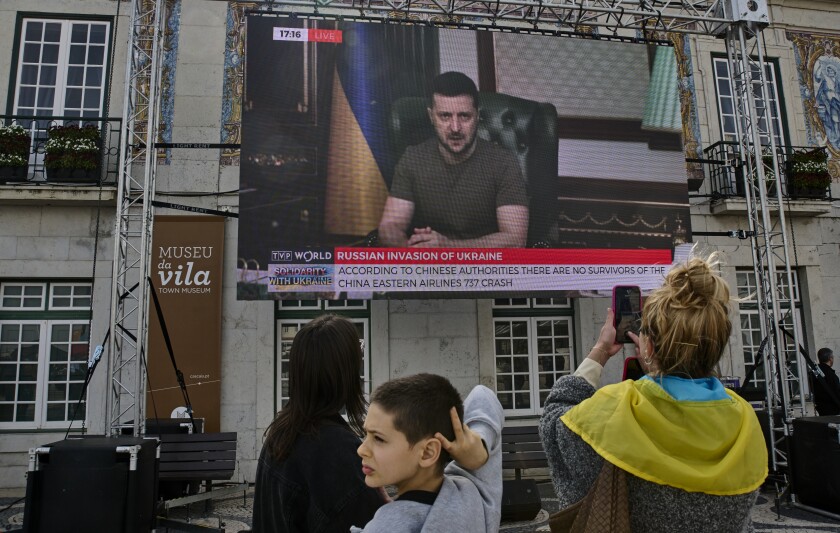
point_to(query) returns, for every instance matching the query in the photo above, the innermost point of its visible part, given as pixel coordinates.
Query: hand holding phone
(627, 306)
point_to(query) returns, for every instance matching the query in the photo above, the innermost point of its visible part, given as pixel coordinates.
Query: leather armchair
(526, 128)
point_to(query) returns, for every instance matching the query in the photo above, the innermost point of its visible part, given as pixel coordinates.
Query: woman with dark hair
(309, 477)
(673, 451)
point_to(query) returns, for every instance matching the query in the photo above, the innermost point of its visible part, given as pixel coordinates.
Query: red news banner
(494, 269)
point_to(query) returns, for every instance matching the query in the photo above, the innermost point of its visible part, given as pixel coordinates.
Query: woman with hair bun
(690, 453)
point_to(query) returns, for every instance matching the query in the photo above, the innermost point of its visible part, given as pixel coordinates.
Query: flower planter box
(809, 177)
(15, 143)
(71, 151)
(802, 191)
(72, 175)
(16, 173)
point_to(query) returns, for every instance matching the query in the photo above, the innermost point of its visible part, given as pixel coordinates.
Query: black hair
(419, 406)
(824, 355)
(325, 363)
(454, 84)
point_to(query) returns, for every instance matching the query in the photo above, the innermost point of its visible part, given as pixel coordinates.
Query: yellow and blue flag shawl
(711, 446)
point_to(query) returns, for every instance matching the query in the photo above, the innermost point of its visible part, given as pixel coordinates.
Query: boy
(412, 428)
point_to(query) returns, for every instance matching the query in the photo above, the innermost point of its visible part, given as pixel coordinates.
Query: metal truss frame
(621, 19)
(770, 248)
(561, 16)
(125, 404)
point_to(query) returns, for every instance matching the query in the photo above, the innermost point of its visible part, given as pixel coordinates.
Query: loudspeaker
(92, 484)
(748, 10)
(816, 462)
(520, 499)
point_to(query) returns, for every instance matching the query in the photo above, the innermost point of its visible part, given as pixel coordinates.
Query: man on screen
(455, 190)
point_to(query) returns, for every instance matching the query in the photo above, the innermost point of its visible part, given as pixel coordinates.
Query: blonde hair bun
(687, 319)
(696, 283)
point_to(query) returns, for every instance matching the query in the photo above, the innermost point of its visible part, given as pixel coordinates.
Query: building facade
(66, 60)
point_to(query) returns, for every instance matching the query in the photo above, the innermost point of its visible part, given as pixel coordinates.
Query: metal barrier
(38, 128)
(726, 172)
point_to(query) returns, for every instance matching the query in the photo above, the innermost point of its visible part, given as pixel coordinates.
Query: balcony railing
(726, 172)
(38, 126)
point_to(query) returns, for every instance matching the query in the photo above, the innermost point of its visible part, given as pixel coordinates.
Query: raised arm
(573, 463)
(484, 418)
(468, 448)
(396, 218)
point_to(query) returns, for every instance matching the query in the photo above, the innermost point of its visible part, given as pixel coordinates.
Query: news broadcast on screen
(397, 160)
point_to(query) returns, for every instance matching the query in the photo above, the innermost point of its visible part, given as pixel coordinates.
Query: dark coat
(823, 401)
(318, 488)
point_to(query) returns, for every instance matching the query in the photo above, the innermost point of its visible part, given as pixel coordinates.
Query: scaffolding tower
(738, 22)
(125, 403)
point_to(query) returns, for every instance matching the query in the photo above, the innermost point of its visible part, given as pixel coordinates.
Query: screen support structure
(739, 22)
(125, 403)
(783, 366)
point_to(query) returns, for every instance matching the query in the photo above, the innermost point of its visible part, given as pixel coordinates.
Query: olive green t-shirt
(458, 201)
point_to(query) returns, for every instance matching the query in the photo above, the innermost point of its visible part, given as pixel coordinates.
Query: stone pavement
(234, 514)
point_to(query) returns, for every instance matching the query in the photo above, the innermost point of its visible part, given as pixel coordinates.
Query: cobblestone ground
(234, 514)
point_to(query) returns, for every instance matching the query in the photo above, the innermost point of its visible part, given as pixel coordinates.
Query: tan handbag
(604, 509)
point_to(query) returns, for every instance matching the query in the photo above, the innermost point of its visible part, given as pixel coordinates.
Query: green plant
(14, 146)
(810, 169)
(769, 176)
(72, 147)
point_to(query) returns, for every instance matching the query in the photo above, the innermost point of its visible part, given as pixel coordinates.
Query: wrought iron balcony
(35, 172)
(726, 172)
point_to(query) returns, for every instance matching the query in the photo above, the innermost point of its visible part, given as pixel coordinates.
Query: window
(61, 68)
(43, 353)
(300, 304)
(70, 296)
(25, 296)
(726, 102)
(752, 328)
(292, 315)
(533, 346)
(61, 71)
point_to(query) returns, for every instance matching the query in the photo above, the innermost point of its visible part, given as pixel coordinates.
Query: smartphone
(632, 369)
(627, 312)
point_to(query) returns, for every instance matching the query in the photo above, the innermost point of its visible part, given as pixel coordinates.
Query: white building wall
(452, 337)
(39, 240)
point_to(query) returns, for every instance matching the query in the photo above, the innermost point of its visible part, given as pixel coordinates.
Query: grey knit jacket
(653, 508)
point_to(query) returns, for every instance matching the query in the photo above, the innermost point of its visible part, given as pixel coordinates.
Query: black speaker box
(92, 484)
(520, 499)
(816, 462)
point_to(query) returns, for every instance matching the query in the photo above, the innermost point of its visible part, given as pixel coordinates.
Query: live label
(307, 35)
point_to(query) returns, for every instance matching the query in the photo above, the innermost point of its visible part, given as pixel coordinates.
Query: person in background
(691, 452)
(827, 393)
(309, 478)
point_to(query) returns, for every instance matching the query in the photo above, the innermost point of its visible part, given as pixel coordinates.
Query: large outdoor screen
(398, 160)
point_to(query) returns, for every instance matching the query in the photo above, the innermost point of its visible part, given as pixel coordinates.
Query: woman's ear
(647, 353)
(430, 452)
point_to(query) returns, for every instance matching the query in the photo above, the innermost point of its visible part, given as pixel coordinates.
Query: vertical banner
(186, 268)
